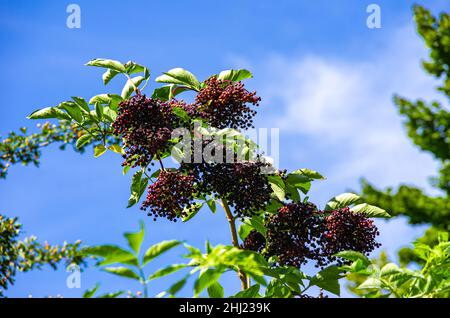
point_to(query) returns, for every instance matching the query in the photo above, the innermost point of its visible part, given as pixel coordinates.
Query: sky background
(326, 81)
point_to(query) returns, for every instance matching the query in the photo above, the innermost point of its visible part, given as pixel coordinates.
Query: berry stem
(234, 239)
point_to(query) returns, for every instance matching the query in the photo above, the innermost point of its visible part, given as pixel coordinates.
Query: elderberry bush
(267, 208)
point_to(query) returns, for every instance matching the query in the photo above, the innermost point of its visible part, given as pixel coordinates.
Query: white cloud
(341, 109)
(346, 105)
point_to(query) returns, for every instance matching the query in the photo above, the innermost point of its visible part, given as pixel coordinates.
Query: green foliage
(376, 280)
(427, 124)
(260, 277)
(24, 148)
(130, 263)
(29, 254)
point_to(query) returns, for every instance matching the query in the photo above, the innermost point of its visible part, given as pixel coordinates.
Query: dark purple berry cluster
(294, 234)
(299, 233)
(347, 230)
(226, 104)
(241, 184)
(171, 196)
(146, 125)
(254, 241)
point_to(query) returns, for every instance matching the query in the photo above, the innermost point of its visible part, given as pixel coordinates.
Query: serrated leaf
(90, 292)
(168, 92)
(244, 230)
(82, 103)
(341, 201)
(83, 140)
(99, 150)
(158, 249)
(206, 279)
(179, 76)
(192, 211)
(251, 292)
(215, 290)
(109, 75)
(212, 205)
(111, 254)
(167, 270)
(49, 112)
(117, 149)
(107, 63)
(278, 191)
(370, 211)
(130, 86)
(328, 279)
(138, 185)
(370, 283)
(135, 239)
(175, 288)
(235, 75)
(73, 109)
(353, 256)
(122, 271)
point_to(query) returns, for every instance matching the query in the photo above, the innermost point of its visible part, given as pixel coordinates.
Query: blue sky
(326, 81)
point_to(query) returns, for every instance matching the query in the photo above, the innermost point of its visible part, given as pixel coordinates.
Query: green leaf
(235, 75)
(99, 150)
(328, 279)
(135, 239)
(49, 112)
(83, 140)
(215, 290)
(175, 288)
(370, 283)
(257, 222)
(130, 86)
(251, 292)
(341, 201)
(90, 292)
(192, 211)
(111, 254)
(244, 230)
(212, 205)
(108, 76)
(181, 113)
(206, 279)
(353, 256)
(122, 271)
(179, 76)
(158, 249)
(99, 111)
(112, 295)
(389, 269)
(82, 103)
(370, 211)
(73, 109)
(278, 191)
(134, 68)
(167, 270)
(314, 175)
(168, 92)
(107, 63)
(117, 149)
(138, 185)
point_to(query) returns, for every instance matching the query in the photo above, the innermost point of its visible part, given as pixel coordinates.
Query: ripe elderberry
(225, 103)
(254, 241)
(241, 184)
(146, 125)
(347, 230)
(171, 196)
(294, 234)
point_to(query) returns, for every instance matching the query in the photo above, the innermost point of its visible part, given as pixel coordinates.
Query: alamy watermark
(74, 19)
(374, 19)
